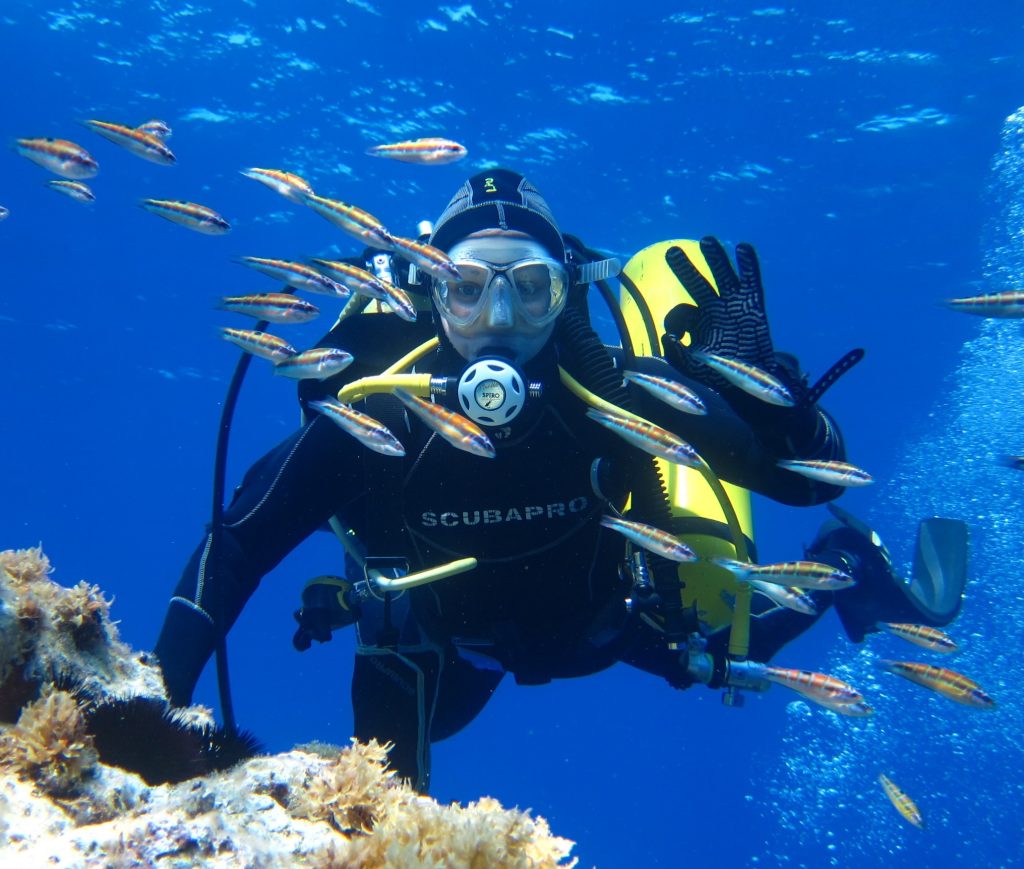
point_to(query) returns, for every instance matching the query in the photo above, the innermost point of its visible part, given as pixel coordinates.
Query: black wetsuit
(546, 599)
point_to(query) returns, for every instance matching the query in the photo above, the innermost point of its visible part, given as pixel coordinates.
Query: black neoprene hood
(498, 199)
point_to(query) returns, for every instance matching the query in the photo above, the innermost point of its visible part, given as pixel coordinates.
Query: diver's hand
(731, 322)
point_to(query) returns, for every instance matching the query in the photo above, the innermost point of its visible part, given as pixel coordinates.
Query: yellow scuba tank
(694, 503)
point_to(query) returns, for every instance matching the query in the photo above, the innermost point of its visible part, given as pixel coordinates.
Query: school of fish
(786, 584)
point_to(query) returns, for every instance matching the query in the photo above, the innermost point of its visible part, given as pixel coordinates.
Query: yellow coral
(24, 566)
(50, 743)
(390, 825)
(347, 792)
(82, 610)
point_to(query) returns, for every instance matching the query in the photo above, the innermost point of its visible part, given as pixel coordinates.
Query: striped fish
(650, 538)
(428, 151)
(160, 129)
(59, 156)
(460, 432)
(399, 302)
(751, 379)
(1006, 305)
(360, 224)
(77, 190)
(798, 574)
(363, 428)
(904, 804)
(647, 436)
(261, 344)
(188, 214)
(354, 278)
(139, 142)
(950, 684)
(817, 687)
(360, 281)
(830, 471)
(316, 364)
(922, 635)
(290, 186)
(275, 307)
(297, 275)
(426, 258)
(669, 391)
(786, 596)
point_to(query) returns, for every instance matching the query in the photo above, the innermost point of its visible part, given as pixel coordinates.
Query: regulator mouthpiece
(492, 391)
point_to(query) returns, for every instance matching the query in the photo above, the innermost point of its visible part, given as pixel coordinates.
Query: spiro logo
(489, 186)
(489, 394)
(496, 516)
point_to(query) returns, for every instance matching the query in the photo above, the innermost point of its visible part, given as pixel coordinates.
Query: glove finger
(692, 280)
(682, 319)
(721, 267)
(750, 273)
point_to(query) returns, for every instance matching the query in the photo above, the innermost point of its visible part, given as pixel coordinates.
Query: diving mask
(535, 287)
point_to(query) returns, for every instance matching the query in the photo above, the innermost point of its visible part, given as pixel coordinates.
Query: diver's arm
(745, 454)
(284, 497)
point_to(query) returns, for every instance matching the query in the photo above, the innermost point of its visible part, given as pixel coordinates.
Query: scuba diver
(462, 567)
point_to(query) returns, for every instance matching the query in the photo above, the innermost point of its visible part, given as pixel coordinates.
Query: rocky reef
(97, 770)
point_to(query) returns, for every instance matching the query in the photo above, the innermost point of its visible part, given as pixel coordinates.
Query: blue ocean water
(871, 152)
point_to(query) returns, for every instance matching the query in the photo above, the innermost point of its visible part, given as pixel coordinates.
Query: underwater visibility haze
(873, 153)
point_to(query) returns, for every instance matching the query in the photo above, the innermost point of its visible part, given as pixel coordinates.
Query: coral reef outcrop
(82, 718)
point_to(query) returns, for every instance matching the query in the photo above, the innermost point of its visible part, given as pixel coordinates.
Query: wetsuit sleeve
(284, 497)
(746, 452)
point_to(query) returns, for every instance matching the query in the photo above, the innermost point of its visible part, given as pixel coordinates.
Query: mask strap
(599, 270)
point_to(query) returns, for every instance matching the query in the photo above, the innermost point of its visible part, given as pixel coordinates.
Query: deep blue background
(852, 143)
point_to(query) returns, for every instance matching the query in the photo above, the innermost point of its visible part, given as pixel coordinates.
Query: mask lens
(539, 290)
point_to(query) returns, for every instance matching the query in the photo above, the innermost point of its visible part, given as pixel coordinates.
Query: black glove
(326, 606)
(732, 323)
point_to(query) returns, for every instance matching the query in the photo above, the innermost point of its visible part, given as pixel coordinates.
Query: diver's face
(502, 326)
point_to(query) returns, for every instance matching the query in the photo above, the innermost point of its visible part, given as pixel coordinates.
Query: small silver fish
(355, 279)
(647, 436)
(1005, 305)
(60, 156)
(261, 344)
(289, 185)
(669, 391)
(795, 574)
(922, 635)
(427, 152)
(4, 212)
(77, 190)
(786, 596)
(749, 378)
(274, 307)
(859, 709)
(316, 364)
(817, 687)
(139, 142)
(360, 224)
(650, 538)
(425, 257)
(294, 274)
(188, 214)
(156, 127)
(833, 472)
(365, 429)
(460, 432)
